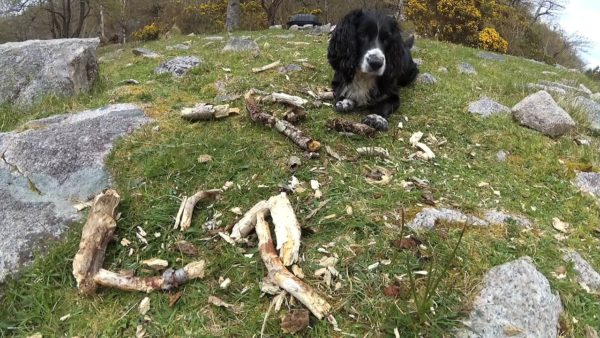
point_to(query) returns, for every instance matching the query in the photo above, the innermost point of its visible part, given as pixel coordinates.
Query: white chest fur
(362, 89)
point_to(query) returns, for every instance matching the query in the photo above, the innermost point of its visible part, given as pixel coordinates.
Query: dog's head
(370, 42)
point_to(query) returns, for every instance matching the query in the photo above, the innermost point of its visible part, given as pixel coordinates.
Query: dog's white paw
(345, 105)
(376, 121)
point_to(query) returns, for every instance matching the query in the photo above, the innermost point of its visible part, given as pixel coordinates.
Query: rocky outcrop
(45, 169)
(33, 69)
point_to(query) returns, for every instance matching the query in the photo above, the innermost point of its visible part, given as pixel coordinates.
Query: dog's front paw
(345, 105)
(376, 121)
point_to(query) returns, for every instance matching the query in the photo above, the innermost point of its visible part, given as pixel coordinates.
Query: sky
(583, 17)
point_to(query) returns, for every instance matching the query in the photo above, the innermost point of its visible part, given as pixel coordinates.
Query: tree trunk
(102, 32)
(123, 24)
(83, 12)
(233, 15)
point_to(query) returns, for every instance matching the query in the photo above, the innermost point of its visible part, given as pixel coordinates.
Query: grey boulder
(491, 56)
(586, 275)
(33, 69)
(540, 112)
(178, 66)
(45, 169)
(515, 301)
(487, 107)
(236, 44)
(591, 109)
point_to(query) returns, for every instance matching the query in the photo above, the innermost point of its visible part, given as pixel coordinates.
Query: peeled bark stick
(267, 67)
(291, 100)
(189, 203)
(97, 232)
(374, 152)
(245, 225)
(169, 280)
(284, 127)
(206, 112)
(325, 96)
(282, 277)
(287, 228)
(351, 127)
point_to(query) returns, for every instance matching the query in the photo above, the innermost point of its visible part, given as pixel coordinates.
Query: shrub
(451, 20)
(147, 33)
(490, 39)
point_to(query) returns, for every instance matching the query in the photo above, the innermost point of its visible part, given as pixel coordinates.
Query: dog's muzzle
(374, 62)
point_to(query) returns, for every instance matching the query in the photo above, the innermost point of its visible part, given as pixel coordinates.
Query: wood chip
(174, 298)
(560, 225)
(295, 321)
(144, 306)
(214, 300)
(186, 248)
(155, 263)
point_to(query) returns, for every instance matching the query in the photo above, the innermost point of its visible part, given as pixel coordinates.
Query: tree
(546, 8)
(232, 22)
(271, 7)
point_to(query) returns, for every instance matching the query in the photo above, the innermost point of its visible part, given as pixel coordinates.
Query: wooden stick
(284, 127)
(374, 152)
(287, 228)
(245, 225)
(267, 67)
(291, 100)
(169, 280)
(351, 127)
(282, 277)
(189, 204)
(97, 232)
(206, 112)
(325, 96)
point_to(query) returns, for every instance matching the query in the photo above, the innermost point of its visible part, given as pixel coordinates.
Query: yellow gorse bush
(490, 39)
(147, 33)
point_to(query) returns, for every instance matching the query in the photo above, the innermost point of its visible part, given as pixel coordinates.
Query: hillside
(359, 224)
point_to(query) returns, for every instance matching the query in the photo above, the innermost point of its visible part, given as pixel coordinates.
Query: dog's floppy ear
(343, 50)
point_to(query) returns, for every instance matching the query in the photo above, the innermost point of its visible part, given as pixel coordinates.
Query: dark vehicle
(303, 19)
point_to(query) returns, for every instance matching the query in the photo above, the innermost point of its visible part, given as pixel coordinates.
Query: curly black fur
(363, 39)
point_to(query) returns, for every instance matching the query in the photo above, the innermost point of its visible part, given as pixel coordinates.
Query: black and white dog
(371, 61)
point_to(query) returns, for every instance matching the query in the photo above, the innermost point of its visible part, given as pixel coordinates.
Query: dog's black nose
(375, 63)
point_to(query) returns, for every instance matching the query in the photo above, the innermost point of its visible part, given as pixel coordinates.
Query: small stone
(466, 68)
(487, 107)
(178, 47)
(426, 78)
(491, 56)
(147, 53)
(418, 61)
(294, 27)
(586, 273)
(443, 70)
(276, 27)
(427, 218)
(501, 217)
(515, 297)
(214, 38)
(236, 44)
(591, 109)
(290, 68)
(540, 112)
(588, 183)
(501, 156)
(178, 66)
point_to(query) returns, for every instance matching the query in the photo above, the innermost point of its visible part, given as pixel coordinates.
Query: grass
(153, 168)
